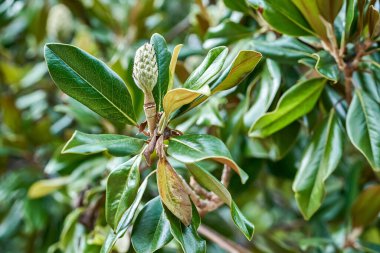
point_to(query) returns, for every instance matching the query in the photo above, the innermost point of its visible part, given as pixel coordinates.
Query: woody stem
(150, 111)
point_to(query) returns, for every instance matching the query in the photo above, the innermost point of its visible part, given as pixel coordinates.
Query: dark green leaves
(197, 147)
(151, 230)
(122, 185)
(90, 81)
(186, 236)
(116, 145)
(296, 102)
(208, 181)
(318, 162)
(163, 60)
(363, 127)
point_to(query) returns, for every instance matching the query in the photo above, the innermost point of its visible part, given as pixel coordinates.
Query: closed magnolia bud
(145, 71)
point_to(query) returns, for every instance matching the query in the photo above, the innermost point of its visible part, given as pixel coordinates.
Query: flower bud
(145, 71)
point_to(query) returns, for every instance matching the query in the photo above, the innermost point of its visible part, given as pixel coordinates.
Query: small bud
(145, 71)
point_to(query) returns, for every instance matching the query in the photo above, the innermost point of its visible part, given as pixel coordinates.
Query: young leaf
(296, 102)
(366, 207)
(44, 187)
(329, 9)
(90, 81)
(122, 185)
(325, 64)
(186, 236)
(243, 64)
(163, 60)
(318, 162)
(197, 147)
(208, 181)
(173, 63)
(265, 92)
(172, 192)
(151, 230)
(126, 219)
(116, 145)
(363, 127)
(176, 98)
(208, 70)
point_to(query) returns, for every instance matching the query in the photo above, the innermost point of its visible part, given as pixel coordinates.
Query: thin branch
(221, 241)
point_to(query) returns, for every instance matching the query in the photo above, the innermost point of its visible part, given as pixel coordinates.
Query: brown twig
(221, 241)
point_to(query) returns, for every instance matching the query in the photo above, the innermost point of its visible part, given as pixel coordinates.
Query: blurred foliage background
(37, 119)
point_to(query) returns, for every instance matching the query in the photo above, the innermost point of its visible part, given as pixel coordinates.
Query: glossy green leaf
(163, 61)
(237, 5)
(243, 64)
(363, 127)
(324, 64)
(45, 187)
(90, 81)
(284, 17)
(311, 13)
(116, 145)
(207, 71)
(122, 185)
(186, 236)
(264, 92)
(225, 34)
(172, 192)
(318, 162)
(151, 230)
(273, 147)
(284, 49)
(126, 219)
(350, 14)
(69, 228)
(204, 178)
(295, 102)
(197, 147)
(366, 207)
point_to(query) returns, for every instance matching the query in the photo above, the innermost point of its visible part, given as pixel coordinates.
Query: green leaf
(366, 207)
(284, 49)
(116, 145)
(243, 64)
(324, 64)
(207, 70)
(296, 102)
(264, 92)
(311, 13)
(208, 181)
(350, 14)
(90, 81)
(197, 147)
(318, 162)
(225, 34)
(186, 236)
(69, 227)
(237, 5)
(126, 219)
(273, 147)
(172, 192)
(363, 127)
(163, 61)
(151, 230)
(122, 185)
(284, 17)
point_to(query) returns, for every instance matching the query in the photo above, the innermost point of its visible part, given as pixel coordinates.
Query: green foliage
(263, 123)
